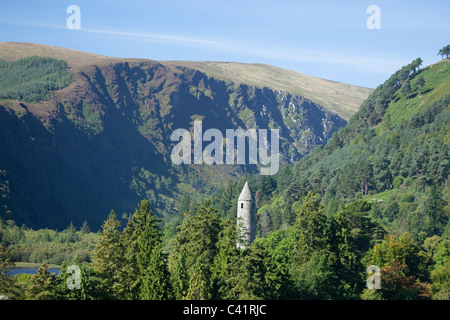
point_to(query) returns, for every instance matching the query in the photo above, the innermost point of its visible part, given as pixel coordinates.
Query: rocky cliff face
(103, 142)
(158, 100)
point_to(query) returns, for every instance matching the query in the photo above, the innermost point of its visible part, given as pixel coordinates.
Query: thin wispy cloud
(374, 63)
(141, 35)
(153, 36)
(252, 49)
(317, 38)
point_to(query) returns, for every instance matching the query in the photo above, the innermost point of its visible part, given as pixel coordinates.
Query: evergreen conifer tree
(180, 278)
(109, 257)
(197, 238)
(436, 219)
(135, 252)
(153, 272)
(156, 278)
(312, 226)
(200, 281)
(225, 260)
(42, 285)
(7, 285)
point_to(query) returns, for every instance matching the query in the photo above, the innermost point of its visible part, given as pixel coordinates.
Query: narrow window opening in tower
(242, 205)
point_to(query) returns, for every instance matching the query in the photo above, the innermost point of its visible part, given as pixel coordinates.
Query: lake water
(15, 271)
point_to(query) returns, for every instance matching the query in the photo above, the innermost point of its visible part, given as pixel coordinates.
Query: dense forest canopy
(30, 79)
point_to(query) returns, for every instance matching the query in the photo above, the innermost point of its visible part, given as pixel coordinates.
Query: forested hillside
(30, 79)
(396, 146)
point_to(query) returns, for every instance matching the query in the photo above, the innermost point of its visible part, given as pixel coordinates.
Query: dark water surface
(15, 271)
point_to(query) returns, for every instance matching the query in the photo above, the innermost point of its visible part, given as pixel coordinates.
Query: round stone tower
(245, 218)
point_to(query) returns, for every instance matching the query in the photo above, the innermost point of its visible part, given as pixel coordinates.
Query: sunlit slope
(343, 99)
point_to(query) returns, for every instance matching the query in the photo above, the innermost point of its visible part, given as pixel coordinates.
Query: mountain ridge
(330, 94)
(343, 99)
(103, 142)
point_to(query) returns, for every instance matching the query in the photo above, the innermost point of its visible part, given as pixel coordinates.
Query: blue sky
(327, 39)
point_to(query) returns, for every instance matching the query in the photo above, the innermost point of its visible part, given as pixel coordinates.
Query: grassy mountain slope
(436, 85)
(10, 51)
(344, 99)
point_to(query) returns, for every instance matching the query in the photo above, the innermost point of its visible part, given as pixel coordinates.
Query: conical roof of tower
(246, 194)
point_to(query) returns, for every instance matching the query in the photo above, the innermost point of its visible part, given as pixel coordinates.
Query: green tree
(42, 285)
(417, 63)
(445, 51)
(353, 235)
(184, 204)
(154, 276)
(197, 237)
(200, 280)
(180, 277)
(316, 278)
(266, 185)
(420, 83)
(279, 246)
(109, 256)
(70, 235)
(403, 251)
(29, 79)
(90, 285)
(85, 228)
(391, 211)
(7, 285)
(381, 172)
(137, 249)
(396, 284)
(440, 275)
(406, 89)
(313, 263)
(436, 219)
(363, 173)
(225, 260)
(257, 276)
(312, 225)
